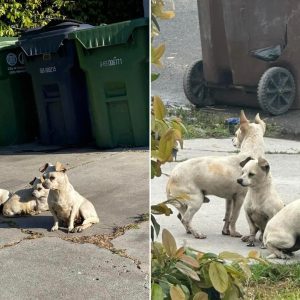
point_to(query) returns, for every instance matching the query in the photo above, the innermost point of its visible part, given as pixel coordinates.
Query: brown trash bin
(249, 55)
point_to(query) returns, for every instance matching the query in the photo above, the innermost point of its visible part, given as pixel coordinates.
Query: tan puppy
(4, 195)
(282, 233)
(191, 180)
(30, 201)
(65, 204)
(262, 201)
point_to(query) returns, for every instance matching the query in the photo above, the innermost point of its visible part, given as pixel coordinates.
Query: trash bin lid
(107, 35)
(49, 38)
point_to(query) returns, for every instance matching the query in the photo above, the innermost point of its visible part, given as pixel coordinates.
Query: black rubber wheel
(194, 84)
(276, 90)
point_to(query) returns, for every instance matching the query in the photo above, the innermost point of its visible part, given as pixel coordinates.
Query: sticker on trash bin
(111, 62)
(11, 59)
(48, 70)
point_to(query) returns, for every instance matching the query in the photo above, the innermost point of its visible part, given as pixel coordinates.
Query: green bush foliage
(23, 14)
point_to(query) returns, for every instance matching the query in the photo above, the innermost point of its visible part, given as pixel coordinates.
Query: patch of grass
(274, 281)
(201, 123)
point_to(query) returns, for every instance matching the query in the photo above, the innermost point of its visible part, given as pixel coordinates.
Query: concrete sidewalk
(107, 261)
(284, 158)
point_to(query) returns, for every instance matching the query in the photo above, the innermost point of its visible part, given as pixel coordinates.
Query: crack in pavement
(100, 240)
(105, 240)
(30, 236)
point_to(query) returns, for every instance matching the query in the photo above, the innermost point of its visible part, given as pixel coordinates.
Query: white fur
(30, 201)
(191, 180)
(65, 203)
(262, 201)
(4, 195)
(282, 233)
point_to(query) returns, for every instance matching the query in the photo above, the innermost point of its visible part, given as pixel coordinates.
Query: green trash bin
(18, 117)
(115, 59)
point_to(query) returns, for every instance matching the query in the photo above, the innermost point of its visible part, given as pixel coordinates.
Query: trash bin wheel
(276, 90)
(194, 84)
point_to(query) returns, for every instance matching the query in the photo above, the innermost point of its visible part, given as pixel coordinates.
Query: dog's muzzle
(240, 181)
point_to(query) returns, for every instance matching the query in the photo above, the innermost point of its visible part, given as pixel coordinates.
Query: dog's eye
(44, 176)
(39, 189)
(52, 177)
(251, 174)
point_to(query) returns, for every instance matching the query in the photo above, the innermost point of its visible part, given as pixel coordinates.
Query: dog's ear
(42, 179)
(59, 167)
(243, 163)
(259, 121)
(32, 181)
(263, 163)
(44, 167)
(244, 122)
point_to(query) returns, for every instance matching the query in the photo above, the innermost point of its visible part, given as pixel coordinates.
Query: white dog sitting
(282, 233)
(262, 201)
(66, 204)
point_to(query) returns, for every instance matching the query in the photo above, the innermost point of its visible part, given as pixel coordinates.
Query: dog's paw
(245, 238)
(70, 229)
(262, 246)
(235, 234)
(199, 235)
(54, 228)
(278, 255)
(77, 229)
(251, 244)
(225, 232)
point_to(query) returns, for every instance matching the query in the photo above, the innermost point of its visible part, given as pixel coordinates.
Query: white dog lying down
(65, 204)
(30, 201)
(4, 195)
(282, 233)
(191, 180)
(262, 201)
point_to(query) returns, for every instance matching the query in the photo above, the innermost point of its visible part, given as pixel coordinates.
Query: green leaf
(200, 296)
(155, 225)
(192, 262)
(156, 292)
(209, 255)
(218, 276)
(232, 293)
(161, 209)
(154, 76)
(231, 256)
(158, 108)
(166, 145)
(187, 271)
(169, 243)
(176, 293)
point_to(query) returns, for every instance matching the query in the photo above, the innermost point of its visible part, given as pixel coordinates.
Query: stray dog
(4, 195)
(193, 179)
(27, 201)
(282, 234)
(262, 201)
(65, 204)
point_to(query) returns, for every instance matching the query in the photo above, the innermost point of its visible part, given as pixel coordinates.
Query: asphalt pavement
(110, 260)
(284, 159)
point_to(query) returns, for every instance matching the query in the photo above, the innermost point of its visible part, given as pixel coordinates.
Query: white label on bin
(111, 62)
(48, 70)
(11, 59)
